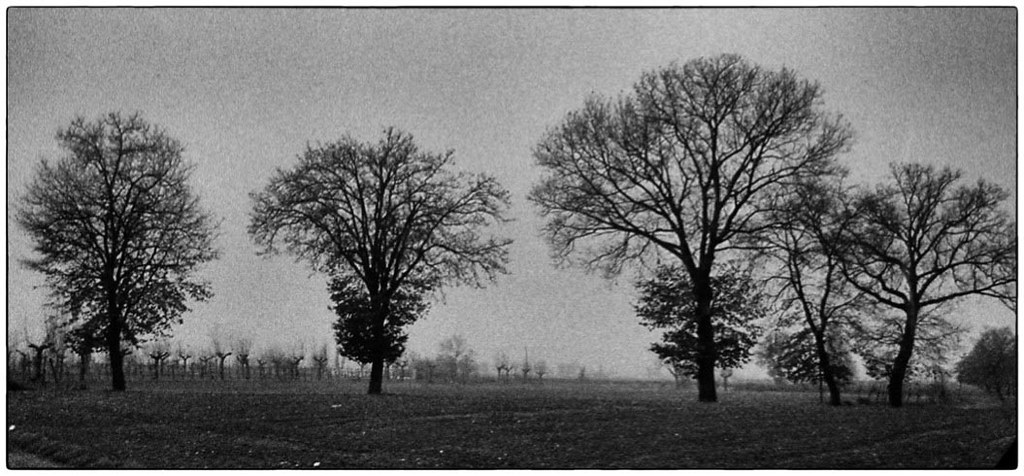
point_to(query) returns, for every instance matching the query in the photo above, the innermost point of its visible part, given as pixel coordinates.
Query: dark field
(250, 424)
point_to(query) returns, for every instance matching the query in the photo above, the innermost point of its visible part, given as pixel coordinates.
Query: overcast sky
(246, 90)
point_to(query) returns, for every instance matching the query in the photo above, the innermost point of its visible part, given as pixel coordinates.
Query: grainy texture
(557, 424)
(21, 460)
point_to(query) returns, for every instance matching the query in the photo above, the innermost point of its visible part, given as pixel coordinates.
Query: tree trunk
(114, 334)
(83, 368)
(376, 376)
(40, 369)
(706, 354)
(116, 356)
(902, 361)
(825, 367)
(116, 366)
(380, 344)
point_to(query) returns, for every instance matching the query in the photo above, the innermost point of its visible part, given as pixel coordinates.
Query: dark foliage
(992, 363)
(666, 302)
(353, 330)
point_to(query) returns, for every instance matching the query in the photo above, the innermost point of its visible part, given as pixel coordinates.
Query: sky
(245, 90)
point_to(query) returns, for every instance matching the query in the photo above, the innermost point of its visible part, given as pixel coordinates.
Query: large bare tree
(923, 240)
(118, 231)
(686, 164)
(806, 245)
(386, 215)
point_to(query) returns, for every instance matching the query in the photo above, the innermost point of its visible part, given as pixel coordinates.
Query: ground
(557, 424)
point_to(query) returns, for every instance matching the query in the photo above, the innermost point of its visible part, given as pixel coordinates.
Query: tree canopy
(118, 231)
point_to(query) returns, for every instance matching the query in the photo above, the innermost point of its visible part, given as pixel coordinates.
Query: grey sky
(246, 90)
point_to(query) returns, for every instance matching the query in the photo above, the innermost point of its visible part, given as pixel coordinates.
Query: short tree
(57, 337)
(402, 364)
(222, 354)
(242, 350)
(295, 358)
(387, 216)
(501, 364)
(992, 362)
(666, 302)
(456, 359)
(118, 231)
(525, 368)
(158, 352)
(204, 365)
(540, 367)
(321, 359)
(39, 351)
(922, 240)
(184, 356)
(725, 373)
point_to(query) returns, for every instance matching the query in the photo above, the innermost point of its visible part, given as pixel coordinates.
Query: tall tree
(806, 246)
(666, 302)
(388, 216)
(687, 164)
(922, 240)
(118, 231)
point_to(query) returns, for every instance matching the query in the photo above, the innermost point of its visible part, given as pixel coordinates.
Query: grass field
(250, 424)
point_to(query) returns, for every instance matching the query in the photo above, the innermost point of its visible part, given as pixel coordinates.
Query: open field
(250, 424)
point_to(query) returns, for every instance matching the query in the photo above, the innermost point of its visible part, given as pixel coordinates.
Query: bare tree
(221, 353)
(321, 358)
(402, 364)
(540, 368)
(686, 165)
(183, 357)
(40, 370)
(675, 368)
(385, 215)
(921, 241)
(501, 364)
(295, 358)
(56, 336)
(261, 366)
(243, 348)
(84, 353)
(158, 352)
(456, 358)
(118, 230)
(204, 366)
(525, 368)
(725, 373)
(807, 245)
